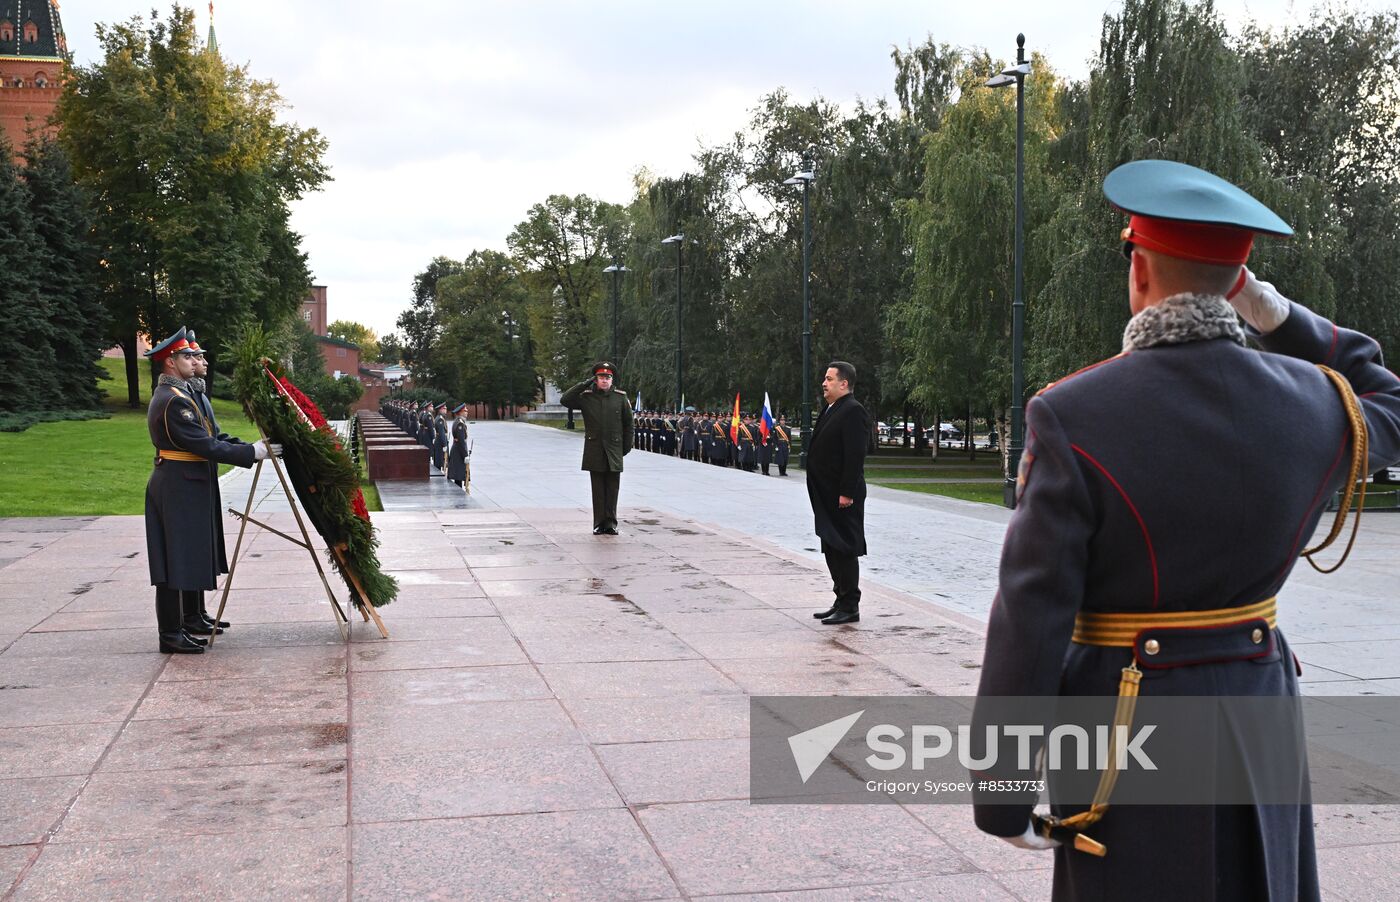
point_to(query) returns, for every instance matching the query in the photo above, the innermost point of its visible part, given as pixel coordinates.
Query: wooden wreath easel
(342, 622)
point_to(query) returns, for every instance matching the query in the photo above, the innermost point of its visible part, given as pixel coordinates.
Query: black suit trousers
(605, 487)
(845, 579)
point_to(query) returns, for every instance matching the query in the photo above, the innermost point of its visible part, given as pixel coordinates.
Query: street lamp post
(678, 239)
(617, 269)
(510, 363)
(805, 177)
(1017, 75)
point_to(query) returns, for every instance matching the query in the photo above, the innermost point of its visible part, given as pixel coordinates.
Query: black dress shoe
(843, 617)
(200, 627)
(197, 640)
(179, 644)
(822, 615)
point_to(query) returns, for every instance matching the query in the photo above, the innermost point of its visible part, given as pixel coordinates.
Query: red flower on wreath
(357, 504)
(308, 407)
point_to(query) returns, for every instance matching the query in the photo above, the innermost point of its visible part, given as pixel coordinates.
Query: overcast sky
(447, 120)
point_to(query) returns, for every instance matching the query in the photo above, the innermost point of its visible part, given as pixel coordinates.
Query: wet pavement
(555, 715)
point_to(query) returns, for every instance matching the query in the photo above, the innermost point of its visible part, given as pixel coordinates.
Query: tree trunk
(967, 434)
(133, 375)
(903, 432)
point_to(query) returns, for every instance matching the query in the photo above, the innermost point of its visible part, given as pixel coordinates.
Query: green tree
(193, 176)
(561, 245)
(356, 334)
(67, 263)
(420, 324)
(485, 343)
(27, 340)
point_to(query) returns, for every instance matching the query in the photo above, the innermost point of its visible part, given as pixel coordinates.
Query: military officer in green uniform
(607, 437)
(182, 516)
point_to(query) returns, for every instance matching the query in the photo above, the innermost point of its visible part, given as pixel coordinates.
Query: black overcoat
(457, 458)
(607, 425)
(782, 445)
(1180, 477)
(183, 522)
(836, 467)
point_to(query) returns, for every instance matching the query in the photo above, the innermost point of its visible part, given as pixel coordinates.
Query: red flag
(734, 423)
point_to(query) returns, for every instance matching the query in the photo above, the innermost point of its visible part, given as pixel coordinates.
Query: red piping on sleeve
(1298, 538)
(1332, 349)
(1146, 536)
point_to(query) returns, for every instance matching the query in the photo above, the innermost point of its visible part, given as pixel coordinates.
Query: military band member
(1194, 539)
(181, 512)
(781, 441)
(607, 438)
(458, 466)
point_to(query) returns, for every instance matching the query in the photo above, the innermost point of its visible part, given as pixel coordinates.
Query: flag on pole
(734, 423)
(637, 407)
(765, 423)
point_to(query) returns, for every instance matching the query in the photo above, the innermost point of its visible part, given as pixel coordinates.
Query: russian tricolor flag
(765, 422)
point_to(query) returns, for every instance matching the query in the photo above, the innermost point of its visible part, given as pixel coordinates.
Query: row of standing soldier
(712, 438)
(428, 423)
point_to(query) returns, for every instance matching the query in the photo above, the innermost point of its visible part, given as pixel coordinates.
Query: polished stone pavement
(555, 716)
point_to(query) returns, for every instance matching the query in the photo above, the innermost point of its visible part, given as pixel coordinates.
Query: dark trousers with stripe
(605, 488)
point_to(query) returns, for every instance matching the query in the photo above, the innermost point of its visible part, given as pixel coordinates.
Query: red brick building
(342, 357)
(32, 46)
(313, 309)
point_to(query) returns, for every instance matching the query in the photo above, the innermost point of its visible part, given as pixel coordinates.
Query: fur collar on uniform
(1183, 318)
(197, 384)
(167, 379)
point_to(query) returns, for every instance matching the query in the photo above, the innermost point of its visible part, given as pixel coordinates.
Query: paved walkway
(556, 715)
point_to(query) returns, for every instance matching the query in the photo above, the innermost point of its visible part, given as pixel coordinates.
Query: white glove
(1032, 840)
(263, 450)
(1261, 304)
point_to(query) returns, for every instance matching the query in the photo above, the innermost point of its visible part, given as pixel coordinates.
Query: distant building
(342, 357)
(313, 309)
(32, 46)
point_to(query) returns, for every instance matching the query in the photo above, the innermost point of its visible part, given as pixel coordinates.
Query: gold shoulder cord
(1355, 488)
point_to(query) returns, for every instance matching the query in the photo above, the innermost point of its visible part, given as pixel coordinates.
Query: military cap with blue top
(172, 345)
(1188, 213)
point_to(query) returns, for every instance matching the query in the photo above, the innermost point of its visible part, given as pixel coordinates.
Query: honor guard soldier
(747, 435)
(439, 447)
(607, 437)
(182, 516)
(690, 443)
(704, 437)
(781, 441)
(458, 467)
(1164, 497)
(197, 621)
(425, 426)
(719, 449)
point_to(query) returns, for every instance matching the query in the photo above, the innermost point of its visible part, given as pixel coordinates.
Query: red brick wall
(313, 310)
(339, 357)
(22, 107)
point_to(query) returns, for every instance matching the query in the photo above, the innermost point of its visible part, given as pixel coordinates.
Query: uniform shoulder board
(618, 391)
(1079, 372)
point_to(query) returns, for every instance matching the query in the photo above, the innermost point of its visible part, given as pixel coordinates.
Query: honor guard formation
(712, 438)
(439, 428)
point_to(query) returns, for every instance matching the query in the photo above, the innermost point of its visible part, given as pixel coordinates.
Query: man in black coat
(181, 513)
(1164, 496)
(607, 438)
(836, 488)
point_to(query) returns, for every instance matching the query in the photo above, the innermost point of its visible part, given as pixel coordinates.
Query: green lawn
(987, 494)
(90, 467)
(942, 472)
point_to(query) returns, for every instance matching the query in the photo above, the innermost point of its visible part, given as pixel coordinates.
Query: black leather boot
(172, 639)
(196, 620)
(822, 615)
(204, 612)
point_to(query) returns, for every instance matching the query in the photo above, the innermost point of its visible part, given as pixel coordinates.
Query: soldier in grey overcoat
(440, 438)
(607, 437)
(1180, 477)
(197, 621)
(457, 464)
(181, 516)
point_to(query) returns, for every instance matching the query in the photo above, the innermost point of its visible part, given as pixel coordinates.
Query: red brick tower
(32, 51)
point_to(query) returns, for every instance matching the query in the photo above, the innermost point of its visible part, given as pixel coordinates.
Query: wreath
(325, 479)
